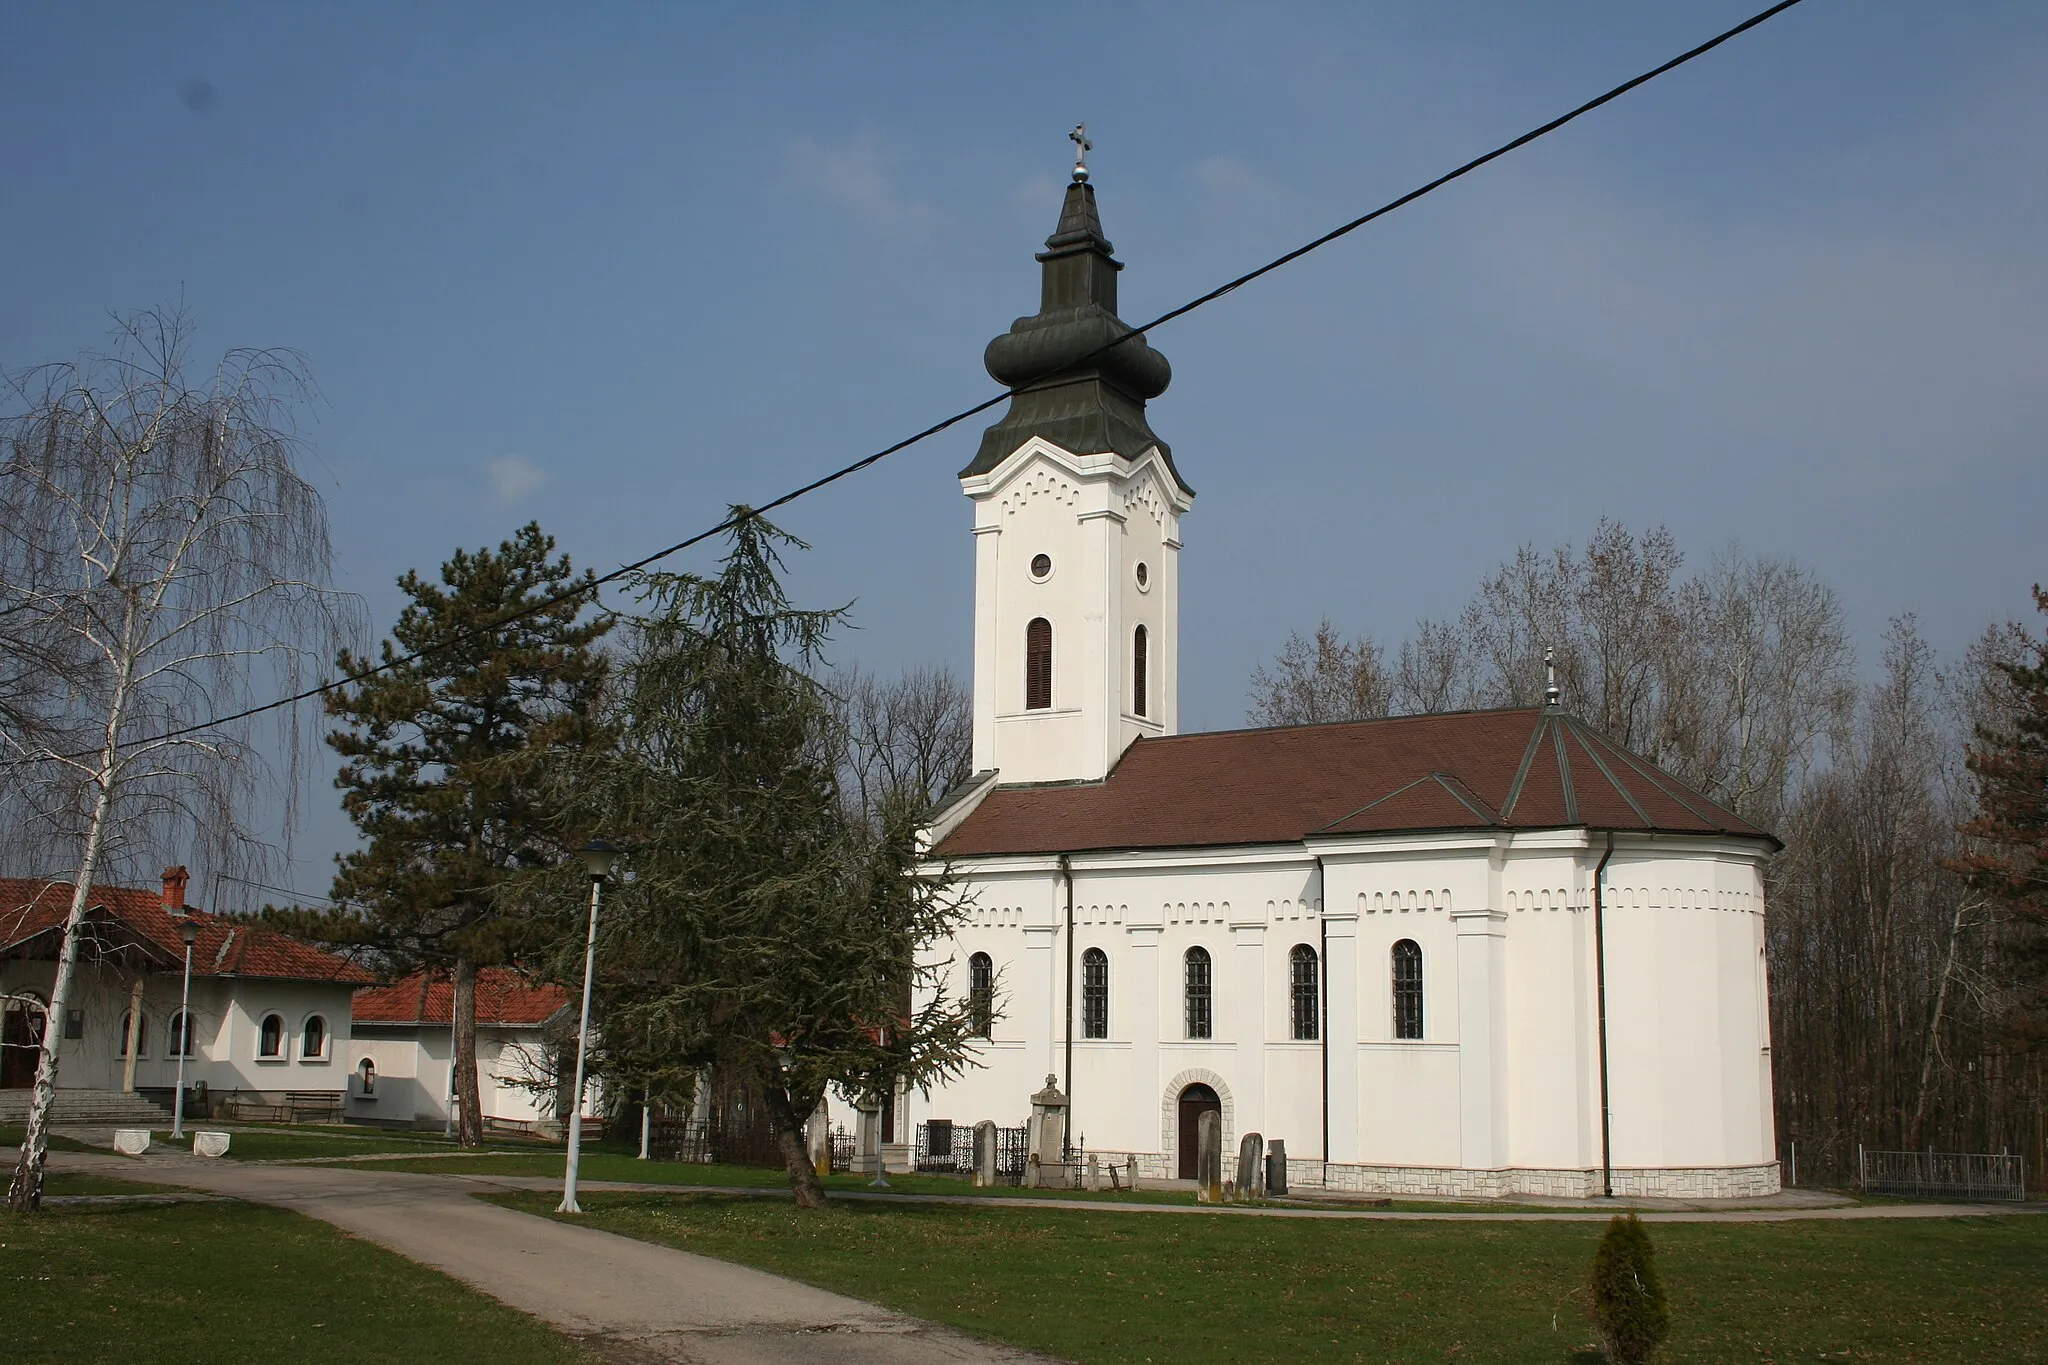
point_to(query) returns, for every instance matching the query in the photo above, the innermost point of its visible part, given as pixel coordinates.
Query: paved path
(632, 1301)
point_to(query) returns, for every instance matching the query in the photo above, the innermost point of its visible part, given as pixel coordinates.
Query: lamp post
(598, 857)
(189, 931)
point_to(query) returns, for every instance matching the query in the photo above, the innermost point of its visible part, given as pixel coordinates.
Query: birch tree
(165, 561)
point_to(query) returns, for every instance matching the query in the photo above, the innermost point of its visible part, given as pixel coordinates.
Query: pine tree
(767, 929)
(445, 758)
(1627, 1297)
(2008, 839)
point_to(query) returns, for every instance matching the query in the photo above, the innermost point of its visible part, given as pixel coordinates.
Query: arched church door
(1195, 1101)
(21, 1041)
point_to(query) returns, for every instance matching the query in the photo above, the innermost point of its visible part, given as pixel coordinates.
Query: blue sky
(616, 267)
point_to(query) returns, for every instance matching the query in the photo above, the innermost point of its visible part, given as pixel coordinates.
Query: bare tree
(163, 545)
(907, 740)
(1321, 678)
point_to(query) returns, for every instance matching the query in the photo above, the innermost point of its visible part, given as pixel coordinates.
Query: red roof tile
(1515, 769)
(503, 997)
(227, 945)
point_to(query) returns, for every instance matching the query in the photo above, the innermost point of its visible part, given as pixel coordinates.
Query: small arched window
(1038, 664)
(981, 995)
(366, 1072)
(1138, 639)
(1305, 992)
(181, 1036)
(1407, 989)
(141, 1026)
(1095, 994)
(1200, 1018)
(270, 1036)
(313, 1039)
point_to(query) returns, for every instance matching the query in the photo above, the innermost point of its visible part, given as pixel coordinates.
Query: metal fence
(842, 1149)
(1941, 1175)
(944, 1146)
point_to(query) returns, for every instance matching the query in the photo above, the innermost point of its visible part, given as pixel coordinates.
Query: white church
(1487, 953)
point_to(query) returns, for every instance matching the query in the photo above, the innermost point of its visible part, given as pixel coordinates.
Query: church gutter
(1067, 871)
(1600, 985)
(1323, 990)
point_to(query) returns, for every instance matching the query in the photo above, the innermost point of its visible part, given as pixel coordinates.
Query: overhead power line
(591, 585)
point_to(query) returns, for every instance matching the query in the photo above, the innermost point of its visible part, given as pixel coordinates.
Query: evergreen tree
(767, 929)
(445, 759)
(1627, 1296)
(2008, 839)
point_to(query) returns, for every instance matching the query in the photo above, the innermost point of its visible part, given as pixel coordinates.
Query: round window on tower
(1144, 577)
(1041, 567)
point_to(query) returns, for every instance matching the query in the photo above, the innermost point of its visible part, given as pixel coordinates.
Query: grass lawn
(11, 1138)
(230, 1281)
(268, 1146)
(1111, 1287)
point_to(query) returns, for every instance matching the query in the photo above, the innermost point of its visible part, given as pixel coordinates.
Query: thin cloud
(514, 476)
(856, 175)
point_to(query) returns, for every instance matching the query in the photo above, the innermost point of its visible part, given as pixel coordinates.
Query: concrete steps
(97, 1107)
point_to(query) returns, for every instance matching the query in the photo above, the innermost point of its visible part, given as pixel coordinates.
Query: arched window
(141, 1035)
(313, 1039)
(1305, 992)
(366, 1071)
(981, 995)
(1038, 664)
(181, 1036)
(1200, 1017)
(1138, 672)
(1095, 994)
(1407, 989)
(270, 1037)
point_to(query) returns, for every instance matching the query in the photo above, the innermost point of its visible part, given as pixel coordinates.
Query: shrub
(1627, 1299)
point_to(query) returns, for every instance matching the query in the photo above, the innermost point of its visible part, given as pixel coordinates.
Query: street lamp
(189, 931)
(598, 857)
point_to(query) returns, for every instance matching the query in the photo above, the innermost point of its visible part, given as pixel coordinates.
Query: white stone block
(131, 1141)
(209, 1144)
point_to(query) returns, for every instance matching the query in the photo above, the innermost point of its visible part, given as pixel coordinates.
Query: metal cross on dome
(1082, 146)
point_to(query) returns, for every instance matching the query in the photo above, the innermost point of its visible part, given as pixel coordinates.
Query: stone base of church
(1713, 1182)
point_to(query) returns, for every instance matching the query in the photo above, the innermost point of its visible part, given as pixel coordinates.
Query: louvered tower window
(1138, 672)
(1095, 994)
(1038, 664)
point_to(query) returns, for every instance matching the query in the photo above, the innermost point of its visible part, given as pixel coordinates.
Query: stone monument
(209, 1144)
(985, 1154)
(1276, 1168)
(131, 1141)
(1251, 1166)
(1048, 1131)
(867, 1146)
(1209, 1157)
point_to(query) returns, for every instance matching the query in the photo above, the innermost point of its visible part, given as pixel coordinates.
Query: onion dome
(1070, 390)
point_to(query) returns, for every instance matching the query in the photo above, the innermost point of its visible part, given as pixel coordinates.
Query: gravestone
(819, 1134)
(1047, 1131)
(1132, 1182)
(985, 1153)
(209, 1144)
(867, 1148)
(1251, 1165)
(131, 1141)
(1209, 1158)
(1276, 1168)
(1094, 1174)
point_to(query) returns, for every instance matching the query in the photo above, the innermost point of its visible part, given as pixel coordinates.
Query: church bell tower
(1077, 509)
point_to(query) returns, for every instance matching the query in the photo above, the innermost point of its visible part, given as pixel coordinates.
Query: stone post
(1094, 1174)
(1049, 1128)
(1251, 1165)
(1132, 1183)
(985, 1154)
(1209, 1158)
(819, 1134)
(867, 1147)
(1276, 1168)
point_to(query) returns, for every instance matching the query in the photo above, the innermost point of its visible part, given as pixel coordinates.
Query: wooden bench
(313, 1106)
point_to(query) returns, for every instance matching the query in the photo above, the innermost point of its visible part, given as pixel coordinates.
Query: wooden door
(1195, 1101)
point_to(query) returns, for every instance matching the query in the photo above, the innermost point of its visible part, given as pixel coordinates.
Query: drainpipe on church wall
(1323, 996)
(1600, 986)
(1067, 872)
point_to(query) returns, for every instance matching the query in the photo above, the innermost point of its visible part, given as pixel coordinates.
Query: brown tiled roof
(503, 997)
(1516, 769)
(133, 917)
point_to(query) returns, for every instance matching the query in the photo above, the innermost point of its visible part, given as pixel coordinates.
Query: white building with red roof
(269, 1016)
(1488, 953)
(401, 1045)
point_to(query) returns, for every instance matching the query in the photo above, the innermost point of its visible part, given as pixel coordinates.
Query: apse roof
(1520, 769)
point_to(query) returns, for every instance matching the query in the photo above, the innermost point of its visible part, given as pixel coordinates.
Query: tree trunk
(25, 1190)
(469, 1131)
(1933, 1042)
(790, 1120)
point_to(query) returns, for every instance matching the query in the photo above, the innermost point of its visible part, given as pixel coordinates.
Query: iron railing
(842, 1149)
(944, 1146)
(1941, 1175)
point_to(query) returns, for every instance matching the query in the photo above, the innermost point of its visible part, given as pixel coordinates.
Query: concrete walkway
(631, 1301)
